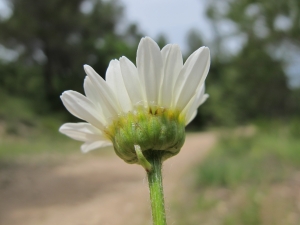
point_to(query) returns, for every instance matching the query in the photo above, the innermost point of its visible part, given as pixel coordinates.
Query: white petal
(82, 107)
(149, 65)
(88, 146)
(191, 77)
(199, 96)
(105, 94)
(192, 114)
(190, 108)
(190, 119)
(93, 95)
(194, 103)
(115, 81)
(90, 90)
(204, 98)
(131, 81)
(172, 64)
(82, 132)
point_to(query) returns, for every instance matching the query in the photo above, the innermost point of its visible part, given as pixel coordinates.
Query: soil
(93, 190)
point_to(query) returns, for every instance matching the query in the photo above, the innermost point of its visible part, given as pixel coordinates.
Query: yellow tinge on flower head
(143, 108)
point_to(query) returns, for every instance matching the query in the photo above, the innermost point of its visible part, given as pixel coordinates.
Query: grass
(268, 156)
(23, 132)
(249, 178)
(26, 135)
(15, 147)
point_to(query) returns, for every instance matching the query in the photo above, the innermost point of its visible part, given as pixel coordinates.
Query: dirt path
(93, 191)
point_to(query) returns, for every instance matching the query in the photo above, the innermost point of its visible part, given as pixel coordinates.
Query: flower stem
(156, 189)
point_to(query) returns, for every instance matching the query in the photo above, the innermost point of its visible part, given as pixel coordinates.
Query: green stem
(156, 189)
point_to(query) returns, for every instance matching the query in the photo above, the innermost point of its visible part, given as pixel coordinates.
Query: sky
(173, 18)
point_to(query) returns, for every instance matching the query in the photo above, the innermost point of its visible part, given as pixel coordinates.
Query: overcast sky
(173, 18)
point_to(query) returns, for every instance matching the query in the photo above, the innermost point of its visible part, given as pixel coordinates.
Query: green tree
(55, 38)
(252, 82)
(272, 22)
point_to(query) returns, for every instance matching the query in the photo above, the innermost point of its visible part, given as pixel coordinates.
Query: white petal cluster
(159, 79)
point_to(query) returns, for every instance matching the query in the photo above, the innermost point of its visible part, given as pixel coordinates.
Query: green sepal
(141, 159)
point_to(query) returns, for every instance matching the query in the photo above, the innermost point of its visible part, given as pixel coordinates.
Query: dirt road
(93, 190)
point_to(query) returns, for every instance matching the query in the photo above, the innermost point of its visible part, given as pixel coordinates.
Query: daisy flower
(146, 105)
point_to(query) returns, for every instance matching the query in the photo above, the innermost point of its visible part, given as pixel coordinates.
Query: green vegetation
(24, 132)
(266, 157)
(250, 178)
(12, 149)
(61, 36)
(26, 135)
(252, 82)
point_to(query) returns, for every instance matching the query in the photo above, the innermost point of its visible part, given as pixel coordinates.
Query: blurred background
(251, 173)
